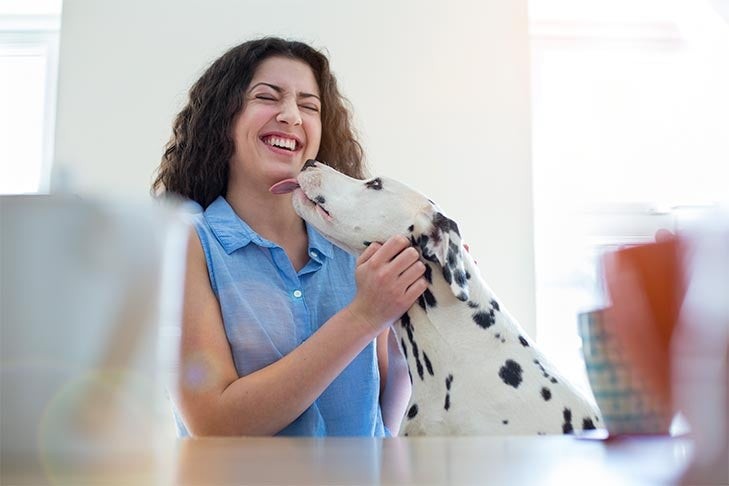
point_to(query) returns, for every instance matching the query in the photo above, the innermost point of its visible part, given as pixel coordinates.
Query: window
(29, 33)
(629, 136)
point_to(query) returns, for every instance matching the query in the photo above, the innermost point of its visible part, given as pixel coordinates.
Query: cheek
(243, 130)
(313, 138)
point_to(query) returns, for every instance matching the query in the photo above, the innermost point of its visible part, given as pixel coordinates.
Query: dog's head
(353, 213)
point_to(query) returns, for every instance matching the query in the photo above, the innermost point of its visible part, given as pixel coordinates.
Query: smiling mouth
(283, 143)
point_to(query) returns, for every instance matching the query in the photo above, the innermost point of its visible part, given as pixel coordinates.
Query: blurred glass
(86, 287)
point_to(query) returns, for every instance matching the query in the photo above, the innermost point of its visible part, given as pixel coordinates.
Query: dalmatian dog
(473, 369)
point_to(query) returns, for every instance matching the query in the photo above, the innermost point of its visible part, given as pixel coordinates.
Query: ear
(439, 242)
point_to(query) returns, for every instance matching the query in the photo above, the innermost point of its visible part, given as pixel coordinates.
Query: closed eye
(375, 184)
(265, 97)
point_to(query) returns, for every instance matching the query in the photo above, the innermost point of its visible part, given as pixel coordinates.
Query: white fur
(479, 399)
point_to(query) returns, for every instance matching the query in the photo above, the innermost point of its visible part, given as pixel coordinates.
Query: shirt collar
(234, 233)
(318, 245)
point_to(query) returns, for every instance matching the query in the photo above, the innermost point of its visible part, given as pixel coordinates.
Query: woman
(278, 324)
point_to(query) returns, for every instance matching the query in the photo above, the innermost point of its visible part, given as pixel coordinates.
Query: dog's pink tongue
(285, 186)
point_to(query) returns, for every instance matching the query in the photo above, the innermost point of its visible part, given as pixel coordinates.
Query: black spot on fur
(523, 341)
(541, 433)
(429, 298)
(483, 319)
(462, 297)
(410, 375)
(472, 304)
(553, 379)
(320, 199)
(419, 366)
(428, 365)
(497, 335)
(587, 424)
(413, 411)
(460, 278)
(495, 304)
(447, 275)
(375, 184)
(428, 274)
(445, 224)
(422, 243)
(447, 404)
(505, 422)
(567, 427)
(468, 275)
(411, 228)
(449, 380)
(366, 243)
(451, 259)
(405, 321)
(404, 348)
(510, 373)
(546, 394)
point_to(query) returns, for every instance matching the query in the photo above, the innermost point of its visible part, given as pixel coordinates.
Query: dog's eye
(375, 184)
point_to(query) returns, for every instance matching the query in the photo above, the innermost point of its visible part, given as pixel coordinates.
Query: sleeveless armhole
(203, 238)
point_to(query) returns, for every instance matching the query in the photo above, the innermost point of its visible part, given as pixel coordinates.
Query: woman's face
(279, 127)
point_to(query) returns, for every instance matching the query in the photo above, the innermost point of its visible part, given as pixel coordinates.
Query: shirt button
(313, 254)
(297, 294)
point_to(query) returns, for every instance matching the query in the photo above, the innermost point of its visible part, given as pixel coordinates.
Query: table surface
(511, 460)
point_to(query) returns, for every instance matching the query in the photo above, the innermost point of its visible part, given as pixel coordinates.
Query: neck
(271, 216)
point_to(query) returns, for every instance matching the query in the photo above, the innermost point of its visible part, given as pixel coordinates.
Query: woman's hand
(389, 279)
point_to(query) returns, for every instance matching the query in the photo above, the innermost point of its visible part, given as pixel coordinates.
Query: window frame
(38, 33)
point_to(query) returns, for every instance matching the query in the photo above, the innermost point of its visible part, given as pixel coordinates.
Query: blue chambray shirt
(269, 309)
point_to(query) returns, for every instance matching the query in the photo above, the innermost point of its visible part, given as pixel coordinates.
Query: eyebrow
(279, 89)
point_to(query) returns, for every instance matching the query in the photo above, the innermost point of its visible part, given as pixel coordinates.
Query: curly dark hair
(195, 161)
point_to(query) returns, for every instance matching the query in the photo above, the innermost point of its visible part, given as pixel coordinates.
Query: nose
(289, 113)
(308, 164)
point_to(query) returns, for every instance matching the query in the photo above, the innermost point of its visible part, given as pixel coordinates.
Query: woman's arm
(212, 398)
(395, 386)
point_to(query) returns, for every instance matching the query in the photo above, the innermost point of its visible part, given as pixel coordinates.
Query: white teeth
(287, 143)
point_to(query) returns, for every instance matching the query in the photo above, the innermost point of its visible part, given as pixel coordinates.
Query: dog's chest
(473, 370)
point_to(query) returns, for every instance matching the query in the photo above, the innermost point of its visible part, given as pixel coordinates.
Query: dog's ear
(439, 241)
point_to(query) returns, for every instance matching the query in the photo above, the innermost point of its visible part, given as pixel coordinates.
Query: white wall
(440, 91)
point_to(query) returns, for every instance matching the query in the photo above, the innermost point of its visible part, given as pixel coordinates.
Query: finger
(416, 289)
(394, 245)
(367, 254)
(412, 273)
(404, 259)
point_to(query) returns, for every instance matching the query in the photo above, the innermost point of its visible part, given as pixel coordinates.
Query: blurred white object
(700, 349)
(85, 285)
(722, 6)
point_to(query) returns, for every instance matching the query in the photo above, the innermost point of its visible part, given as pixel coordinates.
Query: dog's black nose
(308, 163)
